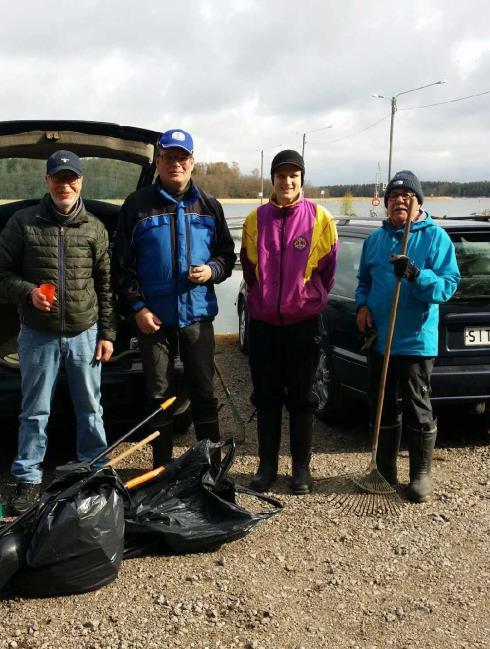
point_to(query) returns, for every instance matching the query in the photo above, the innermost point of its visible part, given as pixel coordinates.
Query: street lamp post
(394, 109)
(262, 170)
(323, 128)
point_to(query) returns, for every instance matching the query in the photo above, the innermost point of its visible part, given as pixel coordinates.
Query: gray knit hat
(405, 180)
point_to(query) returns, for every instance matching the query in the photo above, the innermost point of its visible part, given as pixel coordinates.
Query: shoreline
(330, 199)
(256, 201)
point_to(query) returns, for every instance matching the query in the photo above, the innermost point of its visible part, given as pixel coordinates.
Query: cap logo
(398, 182)
(178, 135)
(300, 243)
(65, 159)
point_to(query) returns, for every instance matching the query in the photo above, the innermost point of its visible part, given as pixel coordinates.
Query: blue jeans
(41, 355)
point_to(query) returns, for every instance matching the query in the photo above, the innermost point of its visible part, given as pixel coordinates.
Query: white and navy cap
(63, 161)
(176, 139)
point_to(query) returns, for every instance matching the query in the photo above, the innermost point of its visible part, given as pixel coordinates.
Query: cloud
(244, 75)
(469, 54)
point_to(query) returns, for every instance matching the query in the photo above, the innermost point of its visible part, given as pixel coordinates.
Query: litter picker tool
(239, 423)
(378, 495)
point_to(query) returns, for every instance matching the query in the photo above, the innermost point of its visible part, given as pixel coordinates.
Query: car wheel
(332, 401)
(243, 323)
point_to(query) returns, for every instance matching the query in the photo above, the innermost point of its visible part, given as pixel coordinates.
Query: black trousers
(195, 344)
(409, 378)
(283, 361)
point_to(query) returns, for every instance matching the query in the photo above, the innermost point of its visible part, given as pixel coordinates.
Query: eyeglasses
(170, 159)
(60, 179)
(406, 196)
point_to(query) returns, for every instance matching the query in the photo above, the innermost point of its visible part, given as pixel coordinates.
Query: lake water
(227, 318)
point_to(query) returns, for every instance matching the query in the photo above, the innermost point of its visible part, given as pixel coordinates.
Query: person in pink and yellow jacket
(288, 256)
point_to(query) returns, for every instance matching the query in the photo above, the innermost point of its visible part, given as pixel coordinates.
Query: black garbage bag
(77, 536)
(191, 507)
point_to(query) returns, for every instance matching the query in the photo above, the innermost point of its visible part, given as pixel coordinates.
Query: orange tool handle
(135, 482)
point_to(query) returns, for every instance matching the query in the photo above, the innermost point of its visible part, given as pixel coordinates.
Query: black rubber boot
(269, 424)
(421, 442)
(388, 447)
(163, 445)
(301, 435)
(26, 495)
(210, 430)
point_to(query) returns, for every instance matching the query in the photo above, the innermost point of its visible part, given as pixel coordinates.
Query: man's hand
(104, 350)
(200, 274)
(404, 268)
(39, 300)
(364, 319)
(148, 322)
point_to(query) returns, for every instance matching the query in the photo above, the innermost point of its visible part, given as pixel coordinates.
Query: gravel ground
(311, 577)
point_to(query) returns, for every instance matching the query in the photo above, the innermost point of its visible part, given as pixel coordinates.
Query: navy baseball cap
(176, 138)
(63, 161)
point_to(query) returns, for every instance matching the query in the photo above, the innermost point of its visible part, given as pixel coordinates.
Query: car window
(473, 256)
(104, 179)
(348, 259)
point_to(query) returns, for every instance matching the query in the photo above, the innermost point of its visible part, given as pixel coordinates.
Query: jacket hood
(425, 221)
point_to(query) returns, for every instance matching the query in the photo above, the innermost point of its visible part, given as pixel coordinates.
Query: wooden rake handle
(389, 338)
(116, 460)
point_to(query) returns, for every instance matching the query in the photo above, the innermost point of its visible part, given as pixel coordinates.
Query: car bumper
(460, 384)
(122, 389)
(451, 384)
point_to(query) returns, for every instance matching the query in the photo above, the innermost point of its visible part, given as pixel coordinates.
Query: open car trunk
(116, 160)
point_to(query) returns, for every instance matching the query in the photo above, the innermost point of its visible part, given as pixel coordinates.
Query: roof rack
(470, 217)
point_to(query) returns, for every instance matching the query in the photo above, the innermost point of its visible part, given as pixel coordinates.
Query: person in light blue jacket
(430, 276)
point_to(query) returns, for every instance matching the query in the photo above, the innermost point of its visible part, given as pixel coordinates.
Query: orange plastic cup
(48, 290)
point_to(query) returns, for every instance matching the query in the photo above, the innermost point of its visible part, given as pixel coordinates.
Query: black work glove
(404, 268)
(368, 338)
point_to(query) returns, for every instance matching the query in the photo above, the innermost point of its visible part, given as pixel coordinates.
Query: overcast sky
(245, 75)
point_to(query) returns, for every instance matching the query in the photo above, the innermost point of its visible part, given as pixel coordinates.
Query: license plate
(476, 336)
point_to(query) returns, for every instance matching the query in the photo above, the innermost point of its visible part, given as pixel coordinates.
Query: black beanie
(288, 157)
(405, 180)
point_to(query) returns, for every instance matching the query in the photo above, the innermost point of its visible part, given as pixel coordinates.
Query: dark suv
(116, 160)
(462, 370)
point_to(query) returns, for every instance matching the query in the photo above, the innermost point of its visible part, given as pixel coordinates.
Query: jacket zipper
(61, 276)
(283, 221)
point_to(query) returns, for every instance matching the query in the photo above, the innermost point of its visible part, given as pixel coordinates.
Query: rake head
(368, 494)
(373, 482)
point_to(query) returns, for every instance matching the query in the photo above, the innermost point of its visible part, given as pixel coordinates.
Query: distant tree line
(103, 178)
(224, 180)
(430, 187)
(109, 179)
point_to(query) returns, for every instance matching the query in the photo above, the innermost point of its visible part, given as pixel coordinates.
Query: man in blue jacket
(172, 246)
(430, 276)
